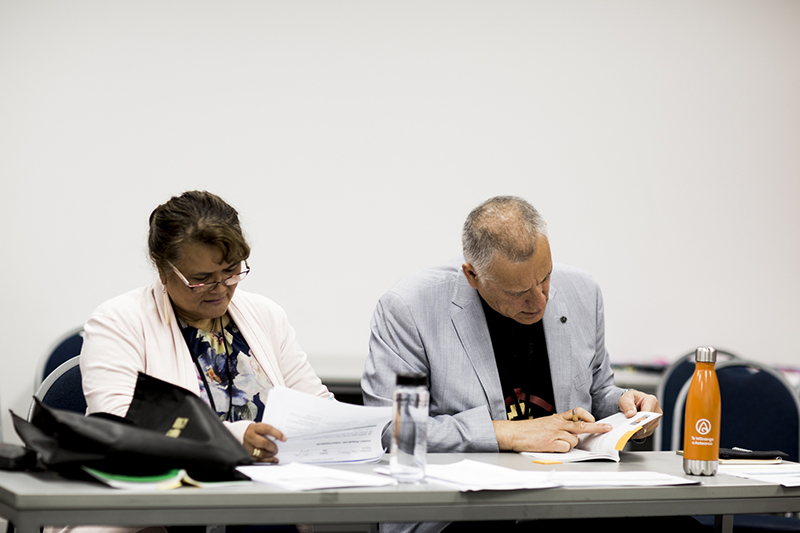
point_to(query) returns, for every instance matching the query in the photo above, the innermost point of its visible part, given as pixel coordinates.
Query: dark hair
(504, 225)
(195, 217)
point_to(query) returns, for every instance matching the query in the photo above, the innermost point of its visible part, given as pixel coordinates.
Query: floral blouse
(231, 372)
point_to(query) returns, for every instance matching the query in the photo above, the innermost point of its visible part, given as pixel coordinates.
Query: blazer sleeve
(396, 346)
(112, 356)
(297, 371)
(605, 395)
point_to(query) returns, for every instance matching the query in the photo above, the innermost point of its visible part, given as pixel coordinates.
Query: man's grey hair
(504, 225)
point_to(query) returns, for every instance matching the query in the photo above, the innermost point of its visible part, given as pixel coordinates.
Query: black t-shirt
(521, 354)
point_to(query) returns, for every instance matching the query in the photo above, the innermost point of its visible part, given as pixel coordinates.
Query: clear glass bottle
(410, 428)
(703, 417)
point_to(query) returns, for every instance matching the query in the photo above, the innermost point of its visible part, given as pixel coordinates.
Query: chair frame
(680, 403)
(38, 377)
(51, 379)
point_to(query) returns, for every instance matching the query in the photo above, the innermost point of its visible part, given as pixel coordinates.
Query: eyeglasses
(202, 288)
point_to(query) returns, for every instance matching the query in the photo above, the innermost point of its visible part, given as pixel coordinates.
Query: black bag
(13, 457)
(166, 427)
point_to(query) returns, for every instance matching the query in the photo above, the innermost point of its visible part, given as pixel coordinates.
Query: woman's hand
(258, 442)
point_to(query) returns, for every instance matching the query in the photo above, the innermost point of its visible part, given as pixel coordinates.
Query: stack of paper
(296, 476)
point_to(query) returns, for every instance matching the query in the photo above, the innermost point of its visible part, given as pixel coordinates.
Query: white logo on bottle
(703, 426)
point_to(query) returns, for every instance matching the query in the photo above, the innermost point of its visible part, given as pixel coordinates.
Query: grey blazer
(432, 322)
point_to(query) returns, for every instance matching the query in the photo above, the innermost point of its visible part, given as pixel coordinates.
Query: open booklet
(600, 445)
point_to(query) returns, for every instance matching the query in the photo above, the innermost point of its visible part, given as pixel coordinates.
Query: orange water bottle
(703, 416)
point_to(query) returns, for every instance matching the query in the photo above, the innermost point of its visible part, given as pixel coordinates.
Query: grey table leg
(723, 523)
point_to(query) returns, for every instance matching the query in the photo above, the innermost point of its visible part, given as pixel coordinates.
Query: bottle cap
(413, 380)
(705, 354)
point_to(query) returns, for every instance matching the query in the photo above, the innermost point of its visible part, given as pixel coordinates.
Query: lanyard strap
(196, 359)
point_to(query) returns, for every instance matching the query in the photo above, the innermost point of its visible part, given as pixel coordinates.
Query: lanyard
(196, 359)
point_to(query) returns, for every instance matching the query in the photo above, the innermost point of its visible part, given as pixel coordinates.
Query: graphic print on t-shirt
(522, 406)
(520, 351)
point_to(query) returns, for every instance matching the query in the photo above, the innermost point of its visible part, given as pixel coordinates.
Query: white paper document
(786, 474)
(618, 479)
(319, 430)
(297, 476)
(470, 475)
(473, 475)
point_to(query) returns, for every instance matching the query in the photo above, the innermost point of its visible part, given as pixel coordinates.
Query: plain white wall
(661, 140)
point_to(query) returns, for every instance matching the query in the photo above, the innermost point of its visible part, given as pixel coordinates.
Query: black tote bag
(166, 427)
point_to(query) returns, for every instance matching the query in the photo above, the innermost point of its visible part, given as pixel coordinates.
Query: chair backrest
(62, 389)
(668, 390)
(760, 409)
(66, 347)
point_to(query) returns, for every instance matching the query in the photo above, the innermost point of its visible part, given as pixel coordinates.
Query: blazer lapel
(559, 354)
(255, 342)
(470, 323)
(184, 364)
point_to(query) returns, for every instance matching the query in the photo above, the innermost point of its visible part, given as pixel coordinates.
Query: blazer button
(563, 320)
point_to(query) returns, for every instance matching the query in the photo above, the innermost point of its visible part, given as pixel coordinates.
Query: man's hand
(554, 433)
(633, 401)
(262, 448)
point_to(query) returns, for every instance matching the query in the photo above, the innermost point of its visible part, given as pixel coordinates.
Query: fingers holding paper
(554, 433)
(259, 439)
(633, 401)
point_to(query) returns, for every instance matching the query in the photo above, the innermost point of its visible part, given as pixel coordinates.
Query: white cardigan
(135, 332)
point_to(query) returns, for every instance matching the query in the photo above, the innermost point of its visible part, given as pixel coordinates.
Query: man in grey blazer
(512, 344)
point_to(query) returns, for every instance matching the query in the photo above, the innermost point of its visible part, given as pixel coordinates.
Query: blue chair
(62, 389)
(65, 348)
(667, 393)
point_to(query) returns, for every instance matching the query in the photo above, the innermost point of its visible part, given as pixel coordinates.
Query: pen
(574, 415)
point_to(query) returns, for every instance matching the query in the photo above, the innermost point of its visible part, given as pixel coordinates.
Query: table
(32, 500)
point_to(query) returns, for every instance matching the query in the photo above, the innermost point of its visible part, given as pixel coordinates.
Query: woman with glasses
(193, 327)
